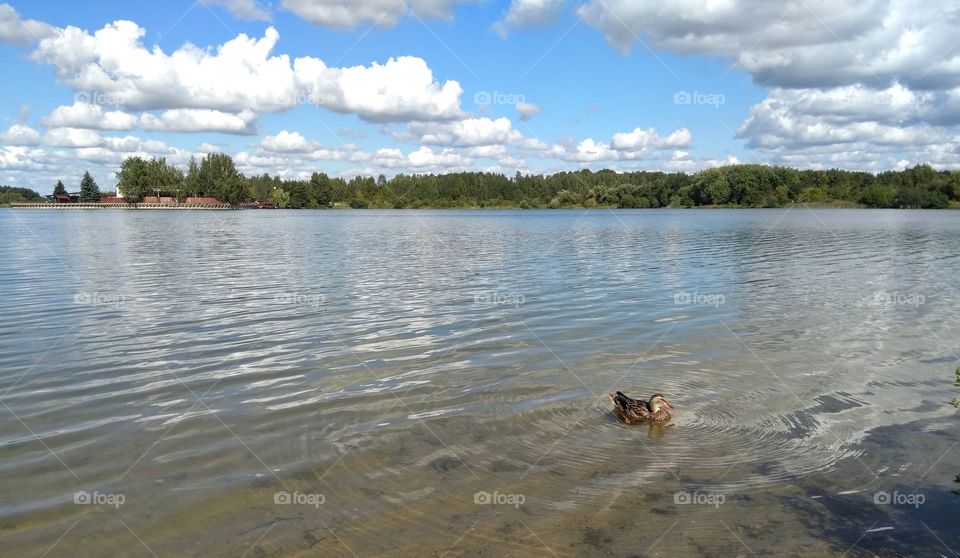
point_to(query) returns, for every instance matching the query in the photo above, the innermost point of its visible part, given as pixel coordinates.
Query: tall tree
(217, 176)
(89, 191)
(133, 179)
(321, 190)
(59, 189)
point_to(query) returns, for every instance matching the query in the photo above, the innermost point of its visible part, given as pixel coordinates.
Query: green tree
(815, 194)
(59, 189)
(11, 197)
(166, 178)
(133, 180)
(321, 190)
(89, 191)
(280, 198)
(218, 177)
(719, 190)
(878, 196)
(299, 194)
(191, 181)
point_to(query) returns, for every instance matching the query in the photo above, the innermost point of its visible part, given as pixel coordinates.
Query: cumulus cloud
(526, 111)
(526, 13)
(401, 89)
(20, 134)
(240, 75)
(855, 84)
(466, 132)
(638, 144)
(15, 30)
(640, 139)
(421, 159)
(200, 120)
(242, 9)
(72, 137)
(22, 158)
(818, 43)
(381, 13)
(287, 142)
(88, 115)
(850, 127)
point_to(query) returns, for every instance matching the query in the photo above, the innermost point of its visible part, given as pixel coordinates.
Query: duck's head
(658, 402)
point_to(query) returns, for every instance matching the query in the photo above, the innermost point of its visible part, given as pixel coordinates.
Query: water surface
(390, 370)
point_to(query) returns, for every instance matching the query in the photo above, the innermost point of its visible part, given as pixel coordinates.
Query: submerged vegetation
(216, 176)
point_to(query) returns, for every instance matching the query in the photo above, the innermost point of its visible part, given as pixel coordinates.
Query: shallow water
(390, 369)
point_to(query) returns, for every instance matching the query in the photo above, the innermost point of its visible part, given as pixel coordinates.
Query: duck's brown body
(632, 411)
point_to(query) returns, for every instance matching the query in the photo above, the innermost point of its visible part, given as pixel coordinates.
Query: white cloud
(88, 115)
(423, 159)
(200, 120)
(795, 119)
(466, 132)
(15, 30)
(588, 151)
(20, 134)
(861, 84)
(526, 13)
(72, 137)
(241, 75)
(382, 13)
(638, 144)
(242, 9)
(126, 144)
(640, 139)
(854, 127)
(401, 89)
(287, 142)
(21, 158)
(816, 43)
(526, 111)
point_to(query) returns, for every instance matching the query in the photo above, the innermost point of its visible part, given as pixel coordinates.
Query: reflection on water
(386, 370)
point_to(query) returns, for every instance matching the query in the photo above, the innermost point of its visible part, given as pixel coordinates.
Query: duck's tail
(620, 400)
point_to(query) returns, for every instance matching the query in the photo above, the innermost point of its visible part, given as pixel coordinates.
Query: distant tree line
(735, 186)
(89, 192)
(10, 194)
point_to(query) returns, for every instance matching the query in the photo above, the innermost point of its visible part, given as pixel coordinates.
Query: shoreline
(228, 207)
(127, 206)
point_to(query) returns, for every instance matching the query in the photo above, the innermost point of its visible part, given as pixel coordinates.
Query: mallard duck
(632, 411)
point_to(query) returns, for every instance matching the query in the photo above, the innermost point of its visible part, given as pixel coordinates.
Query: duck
(633, 411)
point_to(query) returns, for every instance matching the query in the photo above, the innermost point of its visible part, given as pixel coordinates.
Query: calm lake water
(429, 383)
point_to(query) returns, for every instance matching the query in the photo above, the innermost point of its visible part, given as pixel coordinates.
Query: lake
(433, 383)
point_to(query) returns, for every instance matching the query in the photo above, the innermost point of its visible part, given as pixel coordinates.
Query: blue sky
(373, 86)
